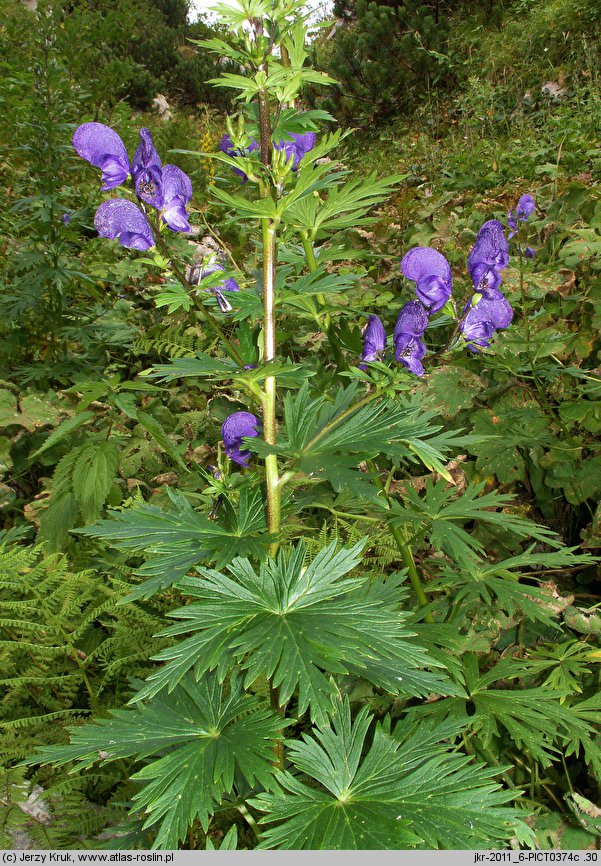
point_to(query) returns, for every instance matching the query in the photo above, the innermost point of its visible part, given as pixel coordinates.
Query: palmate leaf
(330, 439)
(173, 541)
(346, 206)
(475, 581)
(440, 514)
(401, 791)
(534, 719)
(296, 626)
(201, 735)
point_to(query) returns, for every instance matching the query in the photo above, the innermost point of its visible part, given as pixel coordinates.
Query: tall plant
(291, 703)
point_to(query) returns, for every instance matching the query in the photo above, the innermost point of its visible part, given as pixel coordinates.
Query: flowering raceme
(491, 312)
(163, 187)
(234, 429)
(489, 256)
(524, 210)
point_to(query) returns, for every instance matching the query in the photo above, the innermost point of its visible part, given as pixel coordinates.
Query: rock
(552, 90)
(161, 106)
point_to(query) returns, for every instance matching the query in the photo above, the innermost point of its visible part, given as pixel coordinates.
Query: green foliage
(65, 646)
(358, 57)
(296, 625)
(382, 796)
(178, 539)
(422, 621)
(210, 733)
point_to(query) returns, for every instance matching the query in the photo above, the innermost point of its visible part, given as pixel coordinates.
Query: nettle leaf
(93, 476)
(175, 540)
(160, 436)
(509, 428)
(295, 625)
(452, 389)
(201, 735)
(400, 791)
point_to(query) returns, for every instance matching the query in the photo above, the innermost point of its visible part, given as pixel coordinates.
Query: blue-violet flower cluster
(486, 312)
(163, 187)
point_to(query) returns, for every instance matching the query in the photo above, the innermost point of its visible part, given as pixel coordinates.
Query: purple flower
(226, 145)
(164, 187)
(199, 271)
(146, 170)
(176, 192)
(483, 319)
(102, 147)
(524, 210)
(431, 274)
(234, 429)
(118, 218)
(529, 253)
(489, 256)
(297, 146)
(412, 320)
(374, 340)
(408, 330)
(66, 219)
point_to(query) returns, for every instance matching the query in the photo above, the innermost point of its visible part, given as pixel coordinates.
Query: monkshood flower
(431, 273)
(176, 193)
(483, 319)
(524, 210)
(118, 218)
(297, 146)
(165, 188)
(66, 219)
(408, 330)
(489, 256)
(234, 429)
(374, 341)
(102, 147)
(199, 271)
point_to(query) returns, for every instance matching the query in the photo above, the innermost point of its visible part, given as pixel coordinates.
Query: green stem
(275, 706)
(332, 336)
(250, 821)
(404, 550)
(270, 385)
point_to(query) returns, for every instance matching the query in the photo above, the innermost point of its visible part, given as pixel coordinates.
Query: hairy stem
(270, 386)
